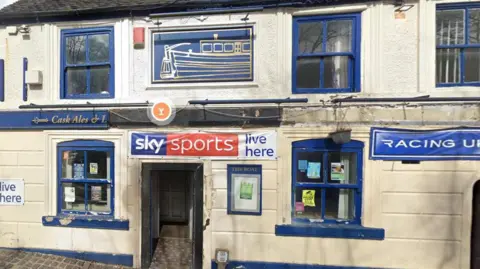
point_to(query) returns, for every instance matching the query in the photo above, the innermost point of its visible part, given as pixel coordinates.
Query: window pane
(308, 203)
(336, 72)
(73, 164)
(73, 196)
(472, 65)
(99, 198)
(474, 26)
(99, 78)
(75, 52)
(450, 27)
(308, 73)
(339, 204)
(309, 167)
(448, 66)
(310, 37)
(98, 48)
(97, 164)
(339, 36)
(342, 168)
(76, 80)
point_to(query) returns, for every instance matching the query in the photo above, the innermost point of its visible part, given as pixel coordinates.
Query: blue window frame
(86, 177)
(87, 63)
(326, 54)
(458, 45)
(327, 181)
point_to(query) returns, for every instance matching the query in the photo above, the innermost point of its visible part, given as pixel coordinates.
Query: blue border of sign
(47, 120)
(426, 157)
(230, 172)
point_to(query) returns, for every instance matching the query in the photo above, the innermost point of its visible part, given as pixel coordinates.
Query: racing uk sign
(256, 145)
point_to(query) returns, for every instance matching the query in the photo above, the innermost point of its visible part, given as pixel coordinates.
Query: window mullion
(324, 175)
(324, 50)
(85, 193)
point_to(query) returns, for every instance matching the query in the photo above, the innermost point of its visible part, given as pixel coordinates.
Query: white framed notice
(244, 189)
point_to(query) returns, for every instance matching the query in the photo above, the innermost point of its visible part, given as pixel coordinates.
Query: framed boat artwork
(203, 55)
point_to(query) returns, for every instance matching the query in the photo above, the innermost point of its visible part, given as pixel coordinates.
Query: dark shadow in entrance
(475, 234)
(172, 214)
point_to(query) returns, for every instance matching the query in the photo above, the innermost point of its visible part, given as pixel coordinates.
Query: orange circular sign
(161, 111)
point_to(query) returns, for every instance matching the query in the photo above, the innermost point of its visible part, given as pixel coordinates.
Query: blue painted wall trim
(25, 87)
(19, 120)
(273, 265)
(109, 258)
(86, 222)
(2, 80)
(330, 231)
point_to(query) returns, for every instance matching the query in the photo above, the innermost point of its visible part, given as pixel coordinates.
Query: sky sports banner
(252, 145)
(450, 144)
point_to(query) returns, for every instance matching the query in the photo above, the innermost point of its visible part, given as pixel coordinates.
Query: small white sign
(69, 194)
(12, 192)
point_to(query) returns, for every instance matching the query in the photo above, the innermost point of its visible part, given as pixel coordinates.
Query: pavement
(16, 259)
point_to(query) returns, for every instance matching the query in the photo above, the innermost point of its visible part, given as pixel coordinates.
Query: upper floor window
(458, 45)
(326, 54)
(327, 181)
(87, 63)
(85, 177)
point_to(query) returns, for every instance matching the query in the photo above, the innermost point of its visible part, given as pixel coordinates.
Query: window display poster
(313, 170)
(78, 170)
(96, 193)
(93, 168)
(337, 171)
(299, 207)
(302, 165)
(69, 194)
(244, 189)
(308, 198)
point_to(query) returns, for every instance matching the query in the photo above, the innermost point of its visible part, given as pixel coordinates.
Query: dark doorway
(475, 239)
(172, 216)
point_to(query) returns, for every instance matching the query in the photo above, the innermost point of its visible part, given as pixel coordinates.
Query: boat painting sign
(203, 55)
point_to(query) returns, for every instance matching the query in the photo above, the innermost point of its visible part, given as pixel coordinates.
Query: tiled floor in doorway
(174, 249)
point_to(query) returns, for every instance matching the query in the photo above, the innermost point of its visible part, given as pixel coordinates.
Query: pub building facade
(322, 133)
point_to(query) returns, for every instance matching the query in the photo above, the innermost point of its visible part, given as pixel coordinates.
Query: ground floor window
(85, 177)
(327, 181)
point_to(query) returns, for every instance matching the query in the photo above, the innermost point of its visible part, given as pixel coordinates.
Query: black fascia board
(145, 10)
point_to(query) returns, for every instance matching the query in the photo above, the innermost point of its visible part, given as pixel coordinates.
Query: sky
(6, 2)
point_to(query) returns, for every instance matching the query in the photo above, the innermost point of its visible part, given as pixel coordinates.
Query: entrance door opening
(172, 216)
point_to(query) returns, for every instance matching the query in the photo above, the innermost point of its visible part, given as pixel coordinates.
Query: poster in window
(337, 171)
(78, 170)
(93, 168)
(244, 189)
(69, 194)
(96, 193)
(308, 198)
(313, 170)
(197, 55)
(302, 165)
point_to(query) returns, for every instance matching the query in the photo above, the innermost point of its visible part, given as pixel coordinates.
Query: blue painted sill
(330, 231)
(86, 222)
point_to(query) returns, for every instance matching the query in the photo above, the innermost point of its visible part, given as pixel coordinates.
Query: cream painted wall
(32, 156)
(397, 56)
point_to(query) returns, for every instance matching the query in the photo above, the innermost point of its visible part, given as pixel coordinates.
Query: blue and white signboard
(203, 55)
(449, 144)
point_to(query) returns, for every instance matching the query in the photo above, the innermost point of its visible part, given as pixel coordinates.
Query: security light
(403, 8)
